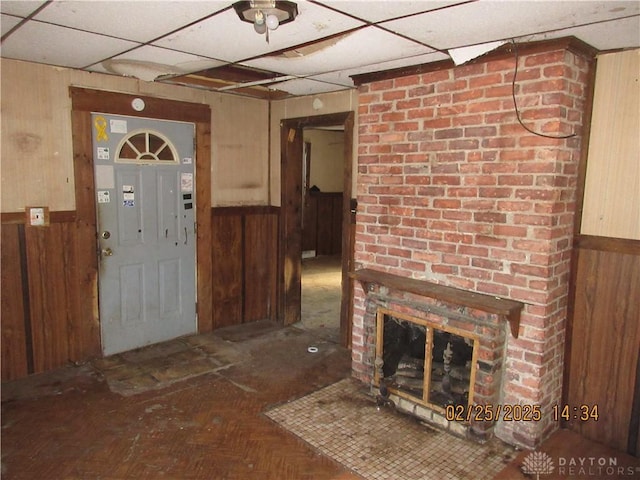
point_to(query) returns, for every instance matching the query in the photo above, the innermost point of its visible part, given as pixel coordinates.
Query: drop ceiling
(203, 44)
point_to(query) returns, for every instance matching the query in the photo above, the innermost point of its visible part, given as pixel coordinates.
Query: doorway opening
(334, 239)
(322, 198)
(144, 178)
(86, 101)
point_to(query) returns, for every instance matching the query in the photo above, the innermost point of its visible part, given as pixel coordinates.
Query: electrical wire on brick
(515, 103)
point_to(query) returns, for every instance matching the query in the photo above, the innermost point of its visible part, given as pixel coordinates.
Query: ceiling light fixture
(266, 15)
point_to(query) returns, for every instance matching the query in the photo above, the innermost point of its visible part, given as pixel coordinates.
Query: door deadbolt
(106, 234)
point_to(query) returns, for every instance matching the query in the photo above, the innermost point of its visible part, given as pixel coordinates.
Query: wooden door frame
(85, 101)
(290, 253)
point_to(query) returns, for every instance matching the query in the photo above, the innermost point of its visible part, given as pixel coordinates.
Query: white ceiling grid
(165, 38)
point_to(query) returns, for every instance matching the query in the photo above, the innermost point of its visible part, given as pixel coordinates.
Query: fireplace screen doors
(431, 364)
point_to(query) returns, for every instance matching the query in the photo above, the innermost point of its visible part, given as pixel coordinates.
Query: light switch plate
(37, 216)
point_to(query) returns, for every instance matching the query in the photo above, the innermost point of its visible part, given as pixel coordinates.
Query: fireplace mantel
(510, 309)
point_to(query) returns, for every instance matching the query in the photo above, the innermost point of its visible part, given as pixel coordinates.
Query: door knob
(107, 252)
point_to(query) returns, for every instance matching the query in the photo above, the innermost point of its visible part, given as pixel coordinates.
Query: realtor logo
(537, 463)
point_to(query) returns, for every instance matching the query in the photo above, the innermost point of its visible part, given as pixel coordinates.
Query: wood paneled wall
(244, 251)
(45, 286)
(605, 341)
(44, 292)
(16, 361)
(49, 274)
(602, 354)
(322, 223)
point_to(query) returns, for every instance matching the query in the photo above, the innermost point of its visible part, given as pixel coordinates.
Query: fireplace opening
(435, 352)
(431, 364)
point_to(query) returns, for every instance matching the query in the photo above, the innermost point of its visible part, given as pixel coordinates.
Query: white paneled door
(145, 197)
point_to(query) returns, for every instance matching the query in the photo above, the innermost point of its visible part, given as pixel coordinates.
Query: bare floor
(197, 408)
(321, 295)
(131, 416)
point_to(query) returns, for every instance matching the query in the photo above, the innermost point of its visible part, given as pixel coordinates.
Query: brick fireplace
(439, 350)
(454, 193)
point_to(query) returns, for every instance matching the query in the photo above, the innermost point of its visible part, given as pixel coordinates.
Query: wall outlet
(37, 216)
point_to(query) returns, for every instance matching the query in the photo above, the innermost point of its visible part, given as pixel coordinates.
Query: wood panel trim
(634, 424)
(584, 149)
(204, 259)
(290, 247)
(577, 222)
(84, 101)
(244, 247)
(26, 303)
(85, 241)
(17, 218)
(606, 244)
(290, 253)
(87, 100)
(348, 236)
(245, 210)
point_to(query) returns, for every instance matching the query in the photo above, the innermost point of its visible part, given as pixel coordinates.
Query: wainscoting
(49, 284)
(244, 247)
(322, 223)
(603, 338)
(48, 292)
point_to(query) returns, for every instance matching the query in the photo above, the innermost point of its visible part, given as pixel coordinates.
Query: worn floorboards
(194, 409)
(70, 425)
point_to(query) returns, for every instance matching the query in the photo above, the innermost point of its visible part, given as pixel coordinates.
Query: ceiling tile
(226, 37)
(8, 22)
(154, 62)
(20, 7)
(603, 36)
(343, 77)
(327, 43)
(140, 21)
(304, 86)
(53, 45)
(363, 47)
(380, 10)
(340, 77)
(486, 21)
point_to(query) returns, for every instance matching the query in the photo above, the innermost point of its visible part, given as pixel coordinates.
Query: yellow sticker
(101, 128)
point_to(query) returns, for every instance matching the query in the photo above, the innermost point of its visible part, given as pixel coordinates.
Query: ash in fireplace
(404, 347)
